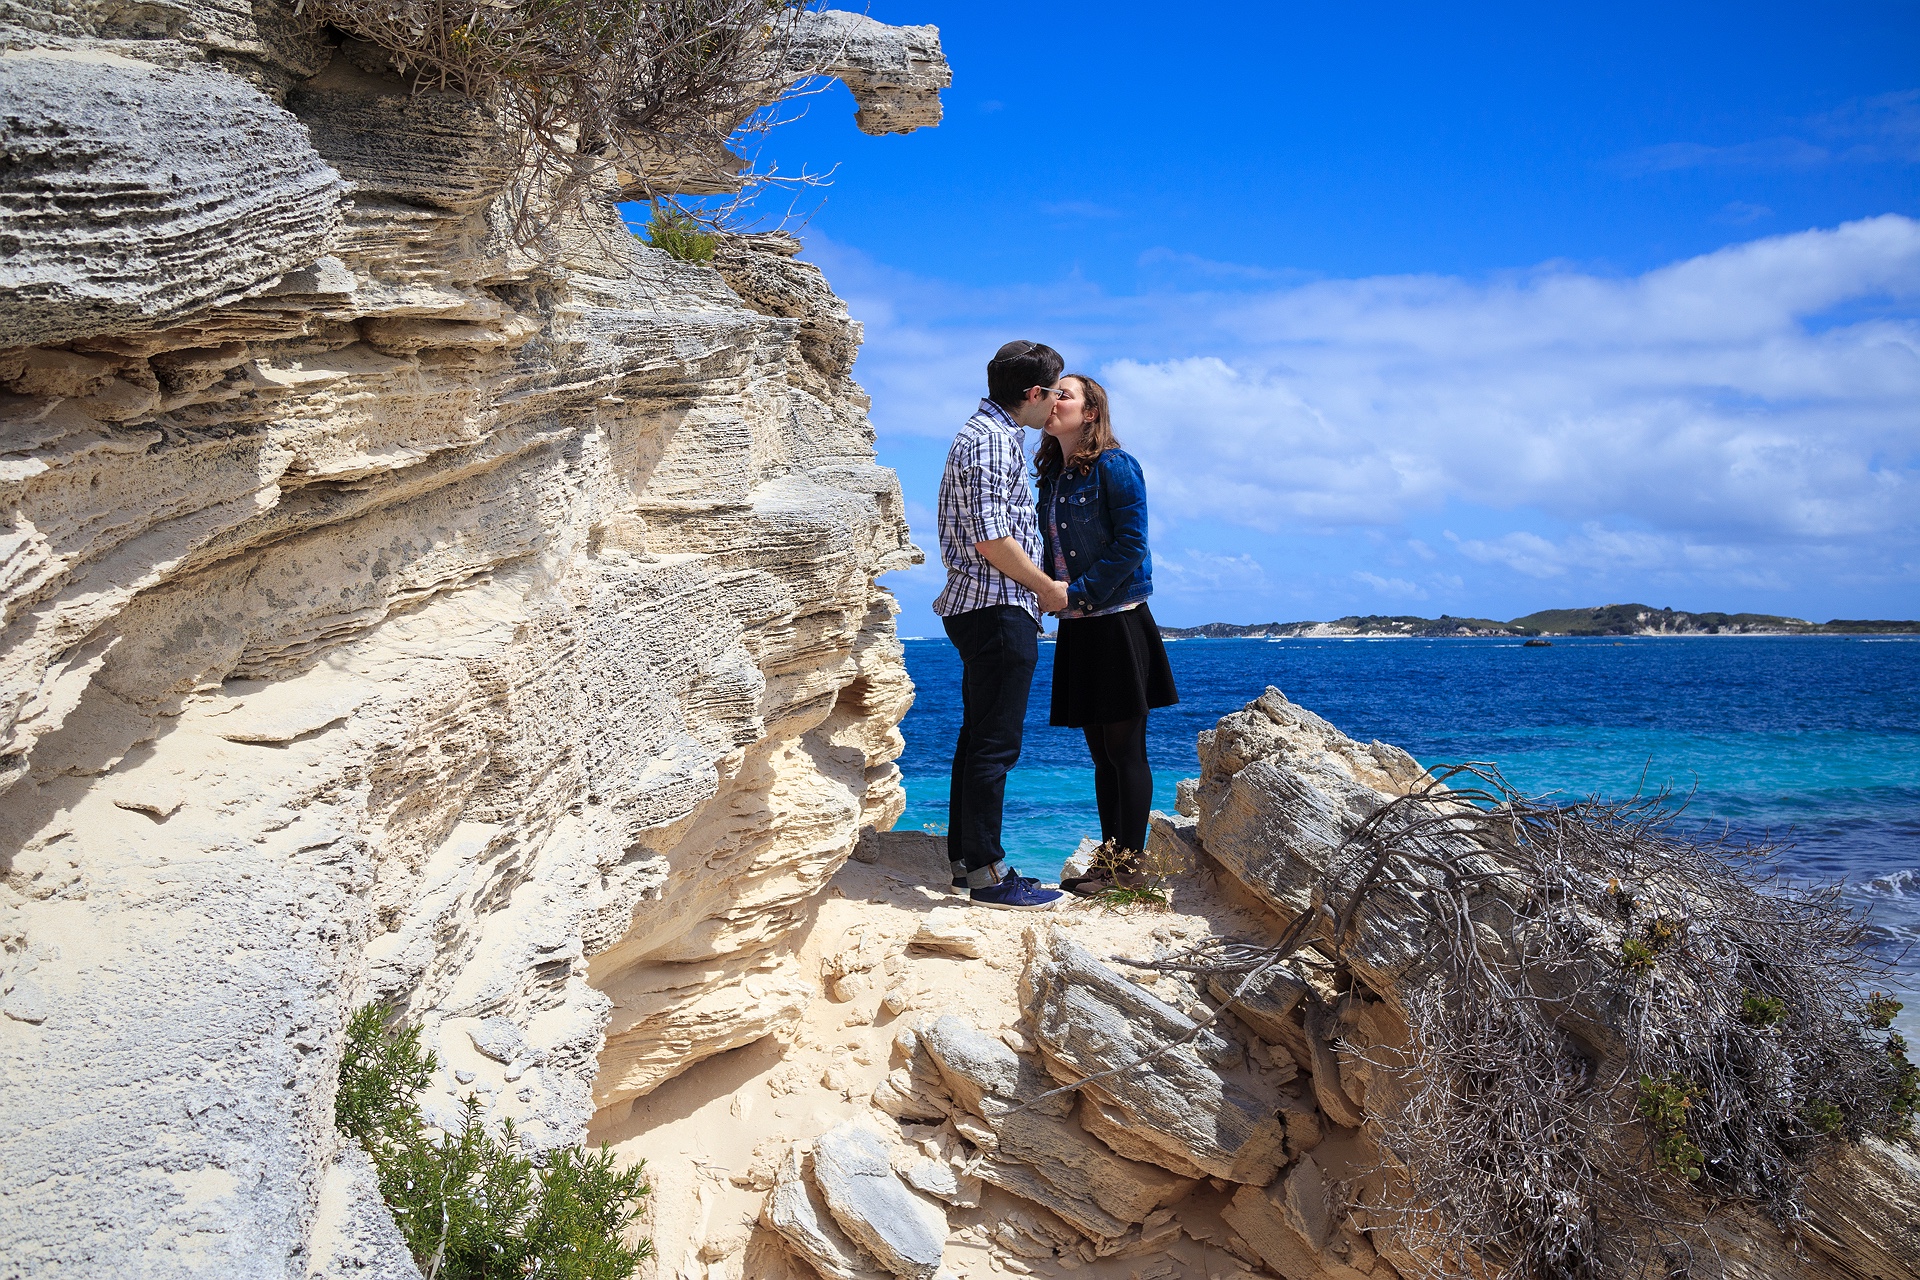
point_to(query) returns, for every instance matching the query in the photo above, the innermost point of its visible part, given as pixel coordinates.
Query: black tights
(1122, 780)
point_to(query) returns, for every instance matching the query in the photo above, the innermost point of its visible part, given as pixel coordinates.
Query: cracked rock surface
(387, 613)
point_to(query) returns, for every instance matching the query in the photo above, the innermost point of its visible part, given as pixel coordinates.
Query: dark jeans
(1122, 781)
(999, 646)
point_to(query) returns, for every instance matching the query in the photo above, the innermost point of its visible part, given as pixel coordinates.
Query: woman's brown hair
(1096, 433)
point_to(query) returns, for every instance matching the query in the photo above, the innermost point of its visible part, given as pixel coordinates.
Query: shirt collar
(994, 413)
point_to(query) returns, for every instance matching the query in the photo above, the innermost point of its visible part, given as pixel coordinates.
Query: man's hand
(1010, 558)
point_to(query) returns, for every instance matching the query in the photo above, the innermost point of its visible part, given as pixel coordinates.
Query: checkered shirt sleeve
(984, 495)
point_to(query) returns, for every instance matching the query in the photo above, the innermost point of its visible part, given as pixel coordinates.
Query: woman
(1109, 666)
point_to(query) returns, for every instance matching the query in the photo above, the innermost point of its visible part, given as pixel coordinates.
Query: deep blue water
(1815, 739)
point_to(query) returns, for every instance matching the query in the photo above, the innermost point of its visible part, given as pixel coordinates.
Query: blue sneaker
(1016, 892)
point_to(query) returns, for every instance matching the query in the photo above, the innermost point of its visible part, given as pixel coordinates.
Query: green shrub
(1904, 1102)
(470, 1205)
(1823, 1116)
(1664, 1105)
(380, 1074)
(679, 234)
(1880, 1010)
(1757, 1010)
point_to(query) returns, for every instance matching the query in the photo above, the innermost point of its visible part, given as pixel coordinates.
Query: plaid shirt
(984, 495)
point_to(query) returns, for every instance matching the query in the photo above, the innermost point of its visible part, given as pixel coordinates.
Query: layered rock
(390, 613)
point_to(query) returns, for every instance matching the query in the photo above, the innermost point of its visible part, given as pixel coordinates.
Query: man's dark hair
(1019, 366)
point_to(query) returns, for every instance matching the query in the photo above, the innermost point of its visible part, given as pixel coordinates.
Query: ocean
(1812, 740)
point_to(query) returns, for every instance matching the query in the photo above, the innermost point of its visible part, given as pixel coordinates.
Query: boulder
(1297, 1227)
(1040, 1154)
(1192, 1100)
(1279, 792)
(795, 1211)
(904, 1231)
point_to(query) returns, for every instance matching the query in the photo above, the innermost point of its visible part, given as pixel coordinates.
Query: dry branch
(638, 99)
(1616, 1024)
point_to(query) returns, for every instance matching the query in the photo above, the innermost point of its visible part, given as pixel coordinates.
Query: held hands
(1010, 558)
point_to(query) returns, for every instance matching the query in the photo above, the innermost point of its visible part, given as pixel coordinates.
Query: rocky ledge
(944, 1109)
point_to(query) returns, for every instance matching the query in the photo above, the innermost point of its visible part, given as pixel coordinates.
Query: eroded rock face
(386, 615)
(896, 73)
(138, 195)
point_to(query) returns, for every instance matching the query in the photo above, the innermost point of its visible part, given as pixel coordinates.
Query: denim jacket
(1103, 530)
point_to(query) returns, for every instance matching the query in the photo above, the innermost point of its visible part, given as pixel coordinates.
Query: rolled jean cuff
(985, 877)
(959, 868)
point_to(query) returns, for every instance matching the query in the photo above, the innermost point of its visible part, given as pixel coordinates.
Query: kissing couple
(1080, 553)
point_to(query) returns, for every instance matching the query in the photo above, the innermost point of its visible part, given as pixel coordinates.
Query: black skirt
(1113, 667)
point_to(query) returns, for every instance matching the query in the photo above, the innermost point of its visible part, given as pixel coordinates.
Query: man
(991, 607)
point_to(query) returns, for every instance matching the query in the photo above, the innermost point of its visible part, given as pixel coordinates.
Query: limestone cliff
(391, 613)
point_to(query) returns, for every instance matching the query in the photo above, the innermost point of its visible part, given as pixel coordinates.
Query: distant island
(1605, 620)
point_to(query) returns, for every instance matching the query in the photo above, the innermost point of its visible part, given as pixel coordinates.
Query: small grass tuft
(1154, 870)
(679, 234)
(1120, 897)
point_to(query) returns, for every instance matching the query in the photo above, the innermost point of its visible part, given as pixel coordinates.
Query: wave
(1897, 884)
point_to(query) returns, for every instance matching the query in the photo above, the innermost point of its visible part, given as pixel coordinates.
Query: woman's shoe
(1109, 871)
(1090, 885)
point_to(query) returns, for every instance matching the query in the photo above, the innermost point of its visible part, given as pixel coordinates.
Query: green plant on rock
(1636, 956)
(470, 1205)
(1665, 1105)
(1880, 1010)
(1760, 1010)
(1661, 932)
(679, 235)
(1904, 1101)
(1823, 1117)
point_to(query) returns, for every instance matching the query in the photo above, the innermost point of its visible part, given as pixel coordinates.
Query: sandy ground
(711, 1137)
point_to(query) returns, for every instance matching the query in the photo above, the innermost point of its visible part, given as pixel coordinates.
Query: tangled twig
(628, 98)
(1614, 1023)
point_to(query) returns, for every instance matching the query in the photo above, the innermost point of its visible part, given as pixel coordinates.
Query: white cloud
(1391, 586)
(1192, 569)
(1707, 393)
(1717, 417)
(1602, 553)
(1877, 130)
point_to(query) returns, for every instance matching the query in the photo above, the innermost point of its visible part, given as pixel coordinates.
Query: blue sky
(1423, 309)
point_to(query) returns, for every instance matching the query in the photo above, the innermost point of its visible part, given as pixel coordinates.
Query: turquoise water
(1813, 739)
